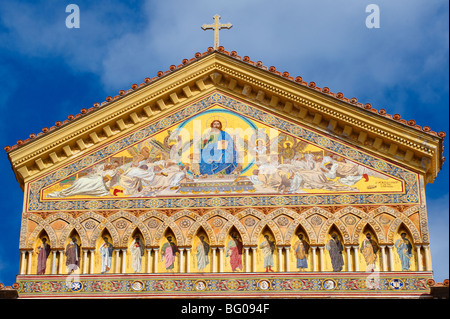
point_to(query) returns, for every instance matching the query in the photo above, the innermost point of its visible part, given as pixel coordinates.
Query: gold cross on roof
(216, 27)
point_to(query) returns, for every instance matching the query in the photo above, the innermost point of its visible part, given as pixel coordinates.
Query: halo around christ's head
(219, 118)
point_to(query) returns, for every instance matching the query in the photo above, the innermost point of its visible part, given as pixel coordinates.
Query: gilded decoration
(267, 165)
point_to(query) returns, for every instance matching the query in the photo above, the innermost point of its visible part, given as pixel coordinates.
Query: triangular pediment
(220, 151)
(278, 96)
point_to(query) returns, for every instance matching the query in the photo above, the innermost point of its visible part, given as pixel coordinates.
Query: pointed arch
(399, 218)
(302, 219)
(232, 221)
(201, 222)
(263, 221)
(102, 224)
(41, 225)
(74, 225)
(163, 228)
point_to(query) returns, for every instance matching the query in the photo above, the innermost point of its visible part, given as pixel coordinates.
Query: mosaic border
(283, 285)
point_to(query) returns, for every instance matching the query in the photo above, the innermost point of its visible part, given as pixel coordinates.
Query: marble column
(383, 257)
(221, 259)
(61, 254)
(116, 267)
(155, 260)
(149, 260)
(321, 257)
(280, 259)
(181, 260)
(124, 261)
(349, 258)
(91, 268)
(355, 251)
(254, 259)
(427, 257)
(30, 255)
(391, 257)
(246, 259)
(85, 252)
(23, 263)
(188, 260)
(54, 262)
(287, 258)
(214, 266)
(419, 258)
(314, 259)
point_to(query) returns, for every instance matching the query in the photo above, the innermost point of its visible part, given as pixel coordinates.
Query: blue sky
(49, 71)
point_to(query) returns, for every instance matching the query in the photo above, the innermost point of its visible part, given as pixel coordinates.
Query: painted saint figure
(335, 248)
(105, 251)
(217, 151)
(301, 250)
(168, 252)
(234, 251)
(369, 249)
(268, 248)
(404, 250)
(43, 251)
(137, 251)
(96, 183)
(72, 256)
(202, 254)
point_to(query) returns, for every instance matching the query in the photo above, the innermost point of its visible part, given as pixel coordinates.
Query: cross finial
(216, 27)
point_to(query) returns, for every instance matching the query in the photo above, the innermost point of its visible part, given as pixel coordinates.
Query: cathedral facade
(222, 177)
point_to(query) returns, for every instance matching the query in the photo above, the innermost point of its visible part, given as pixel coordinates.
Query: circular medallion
(282, 221)
(329, 284)
(185, 223)
(378, 198)
(106, 286)
(121, 224)
(217, 222)
(152, 223)
(200, 285)
(396, 284)
(249, 222)
(352, 153)
(350, 220)
(316, 220)
(165, 122)
(113, 148)
(296, 284)
(344, 199)
(322, 141)
(312, 200)
(185, 202)
(379, 165)
(247, 201)
(232, 284)
(296, 130)
(93, 204)
(263, 284)
(90, 224)
(139, 135)
(46, 286)
(216, 97)
(169, 285)
(76, 286)
(137, 285)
